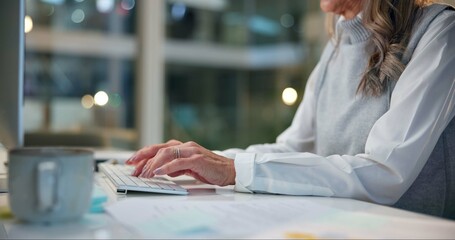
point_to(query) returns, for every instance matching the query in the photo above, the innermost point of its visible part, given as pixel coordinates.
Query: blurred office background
(127, 73)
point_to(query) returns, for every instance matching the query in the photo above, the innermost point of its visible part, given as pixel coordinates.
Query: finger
(139, 168)
(176, 174)
(167, 155)
(143, 153)
(181, 164)
(204, 168)
(191, 172)
(163, 156)
(150, 152)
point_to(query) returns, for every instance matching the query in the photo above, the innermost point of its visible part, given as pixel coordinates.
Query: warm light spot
(87, 101)
(289, 96)
(28, 24)
(101, 98)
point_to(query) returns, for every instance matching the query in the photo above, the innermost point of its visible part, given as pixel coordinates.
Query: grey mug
(50, 184)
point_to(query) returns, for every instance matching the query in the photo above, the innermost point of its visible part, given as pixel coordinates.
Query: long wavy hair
(390, 23)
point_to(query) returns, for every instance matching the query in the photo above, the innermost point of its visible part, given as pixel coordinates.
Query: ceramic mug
(50, 184)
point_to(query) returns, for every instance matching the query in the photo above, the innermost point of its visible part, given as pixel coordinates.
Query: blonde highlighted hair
(390, 23)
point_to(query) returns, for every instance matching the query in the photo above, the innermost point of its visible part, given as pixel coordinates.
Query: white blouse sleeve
(398, 146)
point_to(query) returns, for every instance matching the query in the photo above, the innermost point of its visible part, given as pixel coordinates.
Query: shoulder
(440, 29)
(445, 17)
(438, 16)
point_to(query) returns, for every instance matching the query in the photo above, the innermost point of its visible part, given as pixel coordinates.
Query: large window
(80, 65)
(234, 70)
(229, 64)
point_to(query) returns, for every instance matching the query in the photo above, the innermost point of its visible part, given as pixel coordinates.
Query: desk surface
(353, 217)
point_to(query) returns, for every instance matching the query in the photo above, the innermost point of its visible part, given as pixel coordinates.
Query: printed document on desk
(363, 225)
(208, 219)
(278, 218)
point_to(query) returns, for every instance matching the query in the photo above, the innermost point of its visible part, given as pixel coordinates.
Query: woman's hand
(142, 156)
(175, 158)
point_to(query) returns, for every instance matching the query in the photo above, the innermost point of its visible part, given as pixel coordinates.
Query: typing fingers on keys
(162, 156)
(166, 155)
(140, 167)
(202, 164)
(195, 166)
(188, 164)
(149, 152)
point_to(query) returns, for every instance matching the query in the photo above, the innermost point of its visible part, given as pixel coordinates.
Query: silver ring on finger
(176, 152)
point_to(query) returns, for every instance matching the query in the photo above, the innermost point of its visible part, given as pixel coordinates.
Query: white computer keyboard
(120, 177)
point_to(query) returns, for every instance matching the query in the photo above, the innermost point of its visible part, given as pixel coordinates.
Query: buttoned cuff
(244, 168)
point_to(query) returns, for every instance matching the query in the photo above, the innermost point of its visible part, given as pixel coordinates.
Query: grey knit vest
(343, 122)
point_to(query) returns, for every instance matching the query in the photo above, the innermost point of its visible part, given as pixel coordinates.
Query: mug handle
(47, 186)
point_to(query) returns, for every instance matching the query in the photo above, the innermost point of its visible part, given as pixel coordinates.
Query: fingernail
(136, 172)
(158, 171)
(144, 174)
(131, 159)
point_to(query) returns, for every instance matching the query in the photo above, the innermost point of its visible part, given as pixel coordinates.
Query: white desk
(352, 219)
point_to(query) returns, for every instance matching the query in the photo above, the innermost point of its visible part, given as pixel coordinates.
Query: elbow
(384, 187)
(388, 194)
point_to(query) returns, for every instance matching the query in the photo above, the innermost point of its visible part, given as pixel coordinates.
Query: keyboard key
(120, 175)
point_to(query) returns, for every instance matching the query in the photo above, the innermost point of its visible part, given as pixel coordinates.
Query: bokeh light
(101, 98)
(115, 100)
(87, 101)
(105, 6)
(28, 24)
(78, 16)
(128, 4)
(289, 96)
(178, 11)
(287, 20)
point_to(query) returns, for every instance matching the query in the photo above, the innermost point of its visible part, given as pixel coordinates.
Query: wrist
(231, 173)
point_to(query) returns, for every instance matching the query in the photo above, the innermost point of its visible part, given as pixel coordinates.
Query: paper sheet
(362, 225)
(269, 218)
(207, 219)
